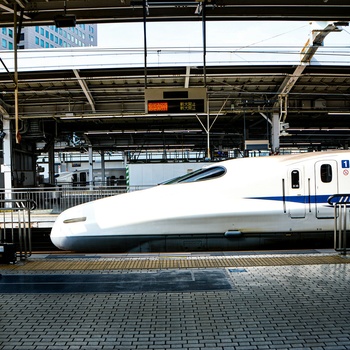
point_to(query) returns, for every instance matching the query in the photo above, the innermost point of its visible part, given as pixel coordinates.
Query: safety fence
(15, 229)
(57, 199)
(341, 204)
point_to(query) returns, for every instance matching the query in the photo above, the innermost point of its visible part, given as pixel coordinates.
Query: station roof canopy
(44, 12)
(104, 105)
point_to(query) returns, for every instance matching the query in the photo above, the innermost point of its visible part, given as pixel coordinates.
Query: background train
(225, 206)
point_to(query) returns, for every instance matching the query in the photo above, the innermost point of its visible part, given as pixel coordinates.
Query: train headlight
(70, 221)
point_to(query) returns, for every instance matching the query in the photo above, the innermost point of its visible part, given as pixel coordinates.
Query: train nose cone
(65, 227)
(57, 236)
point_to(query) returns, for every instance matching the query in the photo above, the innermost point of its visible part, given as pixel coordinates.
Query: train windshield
(198, 175)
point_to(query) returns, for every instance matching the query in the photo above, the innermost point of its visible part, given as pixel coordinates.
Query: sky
(181, 44)
(225, 33)
(244, 41)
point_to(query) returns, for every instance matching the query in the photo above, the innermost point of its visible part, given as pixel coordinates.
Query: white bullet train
(229, 205)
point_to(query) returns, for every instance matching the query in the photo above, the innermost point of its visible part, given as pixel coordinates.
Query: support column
(208, 136)
(6, 167)
(51, 155)
(145, 10)
(275, 133)
(91, 169)
(103, 168)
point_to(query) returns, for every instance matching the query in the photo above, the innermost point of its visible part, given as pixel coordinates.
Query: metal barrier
(54, 200)
(15, 226)
(341, 204)
(57, 199)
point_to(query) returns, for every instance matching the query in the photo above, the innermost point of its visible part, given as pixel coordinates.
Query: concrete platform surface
(241, 308)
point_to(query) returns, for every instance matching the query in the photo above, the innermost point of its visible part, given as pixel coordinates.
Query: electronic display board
(176, 106)
(190, 100)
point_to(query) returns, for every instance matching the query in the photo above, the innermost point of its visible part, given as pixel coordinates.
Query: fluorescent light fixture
(161, 147)
(99, 116)
(317, 129)
(338, 113)
(111, 132)
(300, 143)
(71, 116)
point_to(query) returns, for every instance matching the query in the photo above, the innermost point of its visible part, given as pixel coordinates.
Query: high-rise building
(82, 35)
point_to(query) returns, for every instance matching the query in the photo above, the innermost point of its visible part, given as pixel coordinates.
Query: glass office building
(45, 37)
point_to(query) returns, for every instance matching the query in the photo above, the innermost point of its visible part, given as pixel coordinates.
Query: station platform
(231, 300)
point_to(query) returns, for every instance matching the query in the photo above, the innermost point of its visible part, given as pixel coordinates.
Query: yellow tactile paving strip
(170, 263)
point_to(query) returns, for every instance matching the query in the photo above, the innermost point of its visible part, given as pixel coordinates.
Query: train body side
(253, 196)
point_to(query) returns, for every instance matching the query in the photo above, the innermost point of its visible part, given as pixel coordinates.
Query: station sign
(178, 100)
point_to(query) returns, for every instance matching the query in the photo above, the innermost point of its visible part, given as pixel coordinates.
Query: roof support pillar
(51, 156)
(275, 133)
(145, 10)
(18, 136)
(103, 168)
(6, 167)
(91, 168)
(204, 30)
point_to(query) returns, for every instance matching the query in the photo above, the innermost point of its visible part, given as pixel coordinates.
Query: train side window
(295, 179)
(326, 173)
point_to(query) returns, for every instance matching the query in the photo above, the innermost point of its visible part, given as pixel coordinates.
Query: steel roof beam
(86, 90)
(318, 36)
(43, 12)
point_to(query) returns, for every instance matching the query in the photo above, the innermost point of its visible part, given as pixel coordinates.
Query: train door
(295, 193)
(326, 182)
(82, 179)
(75, 179)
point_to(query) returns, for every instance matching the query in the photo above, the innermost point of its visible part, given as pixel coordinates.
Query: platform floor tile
(284, 307)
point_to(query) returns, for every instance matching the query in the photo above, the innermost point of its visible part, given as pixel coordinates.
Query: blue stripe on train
(297, 199)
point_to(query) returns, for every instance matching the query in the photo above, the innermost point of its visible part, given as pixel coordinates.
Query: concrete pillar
(103, 168)
(275, 133)
(51, 155)
(91, 168)
(6, 167)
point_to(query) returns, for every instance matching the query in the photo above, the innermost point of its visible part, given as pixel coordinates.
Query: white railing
(15, 225)
(56, 199)
(341, 204)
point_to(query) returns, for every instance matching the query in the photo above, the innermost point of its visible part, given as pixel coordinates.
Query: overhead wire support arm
(209, 126)
(307, 53)
(283, 103)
